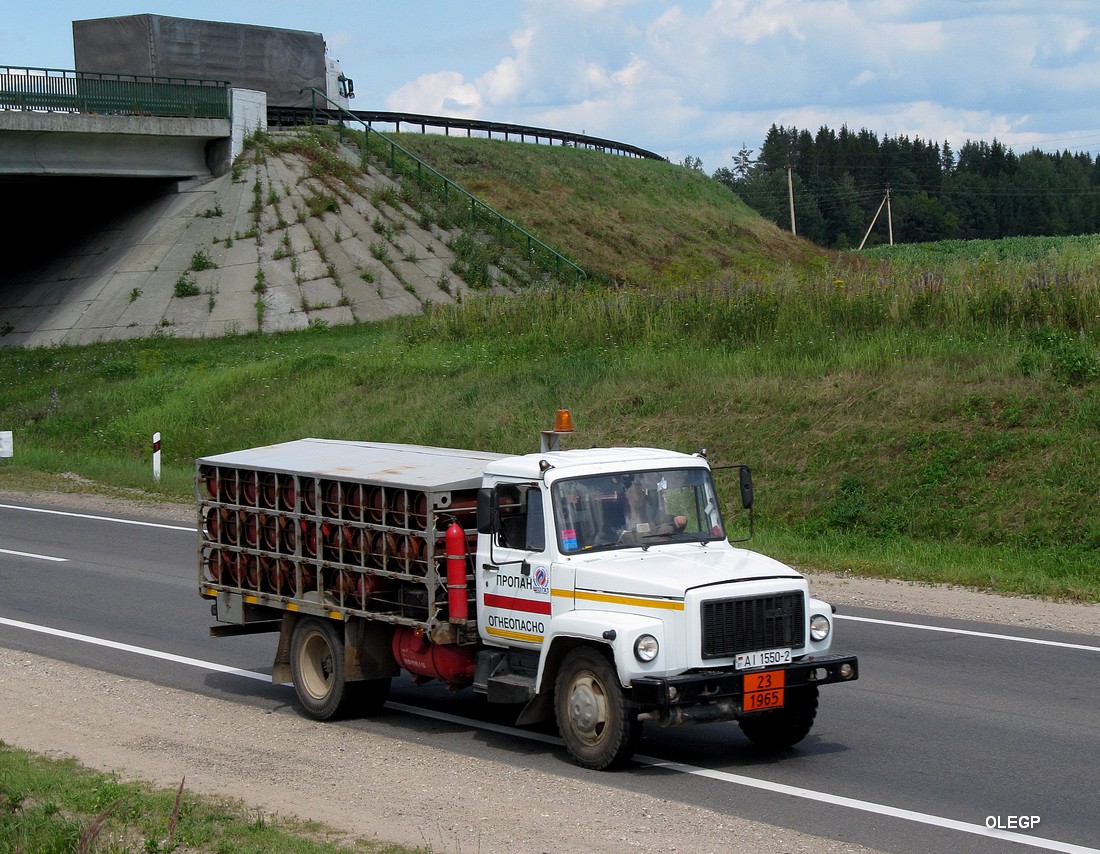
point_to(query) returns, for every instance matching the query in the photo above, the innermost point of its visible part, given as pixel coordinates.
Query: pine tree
(743, 163)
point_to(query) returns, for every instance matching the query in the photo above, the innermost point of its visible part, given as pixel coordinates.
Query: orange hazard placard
(764, 690)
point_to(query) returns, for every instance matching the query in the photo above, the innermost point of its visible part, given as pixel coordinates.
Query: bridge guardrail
(59, 90)
(504, 130)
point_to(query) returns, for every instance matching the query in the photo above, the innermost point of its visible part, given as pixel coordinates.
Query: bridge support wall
(71, 144)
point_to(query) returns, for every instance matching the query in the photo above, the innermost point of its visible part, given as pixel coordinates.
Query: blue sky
(689, 78)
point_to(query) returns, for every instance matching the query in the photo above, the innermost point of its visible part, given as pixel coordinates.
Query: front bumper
(718, 695)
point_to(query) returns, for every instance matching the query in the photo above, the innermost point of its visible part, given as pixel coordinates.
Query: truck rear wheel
(783, 728)
(317, 665)
(598, 724)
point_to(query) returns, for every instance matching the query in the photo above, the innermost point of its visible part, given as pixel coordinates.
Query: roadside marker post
(156, 457)
(7, 446)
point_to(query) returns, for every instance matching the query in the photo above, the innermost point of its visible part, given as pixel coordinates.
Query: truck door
(513, 573)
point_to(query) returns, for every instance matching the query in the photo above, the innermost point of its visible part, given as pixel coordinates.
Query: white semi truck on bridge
(594, 587)
(283, 63)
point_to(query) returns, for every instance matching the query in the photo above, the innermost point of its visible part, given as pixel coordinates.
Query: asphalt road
(954, 731)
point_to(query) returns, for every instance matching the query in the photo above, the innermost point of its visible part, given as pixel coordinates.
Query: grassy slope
(931, 421)
(633, 221)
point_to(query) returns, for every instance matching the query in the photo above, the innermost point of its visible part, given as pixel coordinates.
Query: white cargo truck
(594, 587)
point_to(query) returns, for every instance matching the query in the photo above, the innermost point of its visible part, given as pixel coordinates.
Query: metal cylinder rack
(362, 547)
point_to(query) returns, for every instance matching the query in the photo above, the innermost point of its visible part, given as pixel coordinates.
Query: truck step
(510, 688)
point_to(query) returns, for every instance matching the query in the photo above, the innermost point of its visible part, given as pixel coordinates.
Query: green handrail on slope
(401, 160)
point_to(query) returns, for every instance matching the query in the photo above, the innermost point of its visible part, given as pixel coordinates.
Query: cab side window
(521, 517)
(536, 523)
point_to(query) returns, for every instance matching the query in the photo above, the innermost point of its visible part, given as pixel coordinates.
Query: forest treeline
(840, 180)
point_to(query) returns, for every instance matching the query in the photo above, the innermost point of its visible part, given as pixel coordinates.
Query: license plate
(762, 658)
(764, 690)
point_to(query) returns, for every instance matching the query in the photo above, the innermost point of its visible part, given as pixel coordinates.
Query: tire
(317, 665)
(783, 728)
(598, 724)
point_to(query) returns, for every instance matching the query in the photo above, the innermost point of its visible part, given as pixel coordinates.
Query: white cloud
(633, 75)
(442, 93)
(706, 78)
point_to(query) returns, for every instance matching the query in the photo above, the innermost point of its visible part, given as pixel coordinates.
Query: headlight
(646, 648)
(819, 627)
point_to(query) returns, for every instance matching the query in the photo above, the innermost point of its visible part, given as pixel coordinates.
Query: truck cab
(339, 88)
(608, 594)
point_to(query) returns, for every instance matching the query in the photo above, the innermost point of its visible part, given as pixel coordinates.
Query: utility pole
(889, 216)
(884, 203)
(790, 195)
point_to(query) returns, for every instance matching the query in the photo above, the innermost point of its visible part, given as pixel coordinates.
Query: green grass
(869, 441)
(922, 412)
(50, 805)
(624, 220)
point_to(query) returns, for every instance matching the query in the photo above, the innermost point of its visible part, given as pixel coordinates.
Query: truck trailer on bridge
(283, 63)
(596, 587)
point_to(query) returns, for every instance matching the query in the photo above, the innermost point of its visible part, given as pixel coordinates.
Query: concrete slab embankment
(232, 255)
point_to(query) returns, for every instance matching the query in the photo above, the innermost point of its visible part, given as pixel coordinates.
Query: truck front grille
(731, 626)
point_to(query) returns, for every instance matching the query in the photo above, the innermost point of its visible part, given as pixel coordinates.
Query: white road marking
(992, 635)
(190, 530)
(36, 557)
(871, 807)
(679, 767)
(139, 650)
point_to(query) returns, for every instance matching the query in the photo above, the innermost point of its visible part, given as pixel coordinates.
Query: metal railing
(61, 91)
(457, 203)
(502, 130)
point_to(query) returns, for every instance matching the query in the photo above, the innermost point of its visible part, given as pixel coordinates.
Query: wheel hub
(588, 708)
(317, 667)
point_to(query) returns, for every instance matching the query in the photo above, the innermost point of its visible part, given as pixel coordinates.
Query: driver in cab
(643, 515)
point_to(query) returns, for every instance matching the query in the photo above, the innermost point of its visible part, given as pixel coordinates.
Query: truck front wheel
(783, 728)
(317, 665)
(598, 724)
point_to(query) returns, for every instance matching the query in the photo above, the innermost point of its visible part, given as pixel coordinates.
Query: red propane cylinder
(449, 662)
(455, 540)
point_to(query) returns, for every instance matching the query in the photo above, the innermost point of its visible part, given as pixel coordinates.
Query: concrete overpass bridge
(88, 163)
(74, 123)
(110, 202)
(60, 144)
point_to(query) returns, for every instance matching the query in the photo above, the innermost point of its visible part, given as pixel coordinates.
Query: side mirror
(487, 510)
(746, 488)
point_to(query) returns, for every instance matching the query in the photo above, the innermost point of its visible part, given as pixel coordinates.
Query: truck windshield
(641, 508)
